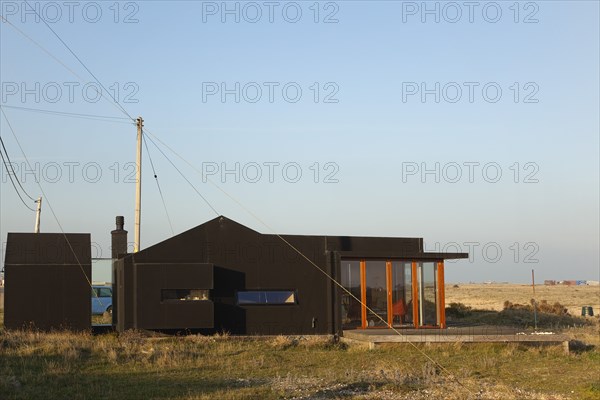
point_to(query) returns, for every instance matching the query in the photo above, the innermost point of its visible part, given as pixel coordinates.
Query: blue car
(101, 299)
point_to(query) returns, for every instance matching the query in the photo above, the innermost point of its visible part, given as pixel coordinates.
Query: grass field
(133, 366)
(492, 297)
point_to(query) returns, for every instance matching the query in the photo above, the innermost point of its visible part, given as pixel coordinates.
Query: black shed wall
(48, 281)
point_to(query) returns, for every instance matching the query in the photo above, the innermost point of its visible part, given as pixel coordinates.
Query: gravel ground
(314, 389)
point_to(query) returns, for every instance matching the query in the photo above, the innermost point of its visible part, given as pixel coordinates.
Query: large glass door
(428, 308)
(376, 294)
(402, 297)
(351, 307)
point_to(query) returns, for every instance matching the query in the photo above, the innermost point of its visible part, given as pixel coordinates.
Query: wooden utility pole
(534, 300)
(138, 187)
(38, 212)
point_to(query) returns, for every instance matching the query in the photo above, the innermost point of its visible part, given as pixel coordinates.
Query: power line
(81, 62)
(182, 175)
(70, 114)
(40, 46)
(8, 158)
(158, 185)
(63, 64)
(13, 170)
(13, 183)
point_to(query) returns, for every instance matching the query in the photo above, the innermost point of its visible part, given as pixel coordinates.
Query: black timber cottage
(224, 276)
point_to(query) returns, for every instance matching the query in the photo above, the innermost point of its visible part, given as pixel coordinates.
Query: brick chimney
(119, 239)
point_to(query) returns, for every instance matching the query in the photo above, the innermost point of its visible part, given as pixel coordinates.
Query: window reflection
(266, 297)
(402, 302)
(377, 300)
(351, 308)
(427, 290)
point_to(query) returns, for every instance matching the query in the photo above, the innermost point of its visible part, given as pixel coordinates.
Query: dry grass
(558, 307)
(492, 297)
(105, 318)
(133, 366)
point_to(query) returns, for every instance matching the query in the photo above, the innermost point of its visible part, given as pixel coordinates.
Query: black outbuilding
(47, 281)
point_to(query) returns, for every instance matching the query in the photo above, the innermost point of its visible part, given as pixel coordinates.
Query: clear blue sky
(372, 130)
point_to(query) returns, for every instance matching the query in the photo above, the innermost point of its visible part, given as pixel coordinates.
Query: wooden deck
(475, 334)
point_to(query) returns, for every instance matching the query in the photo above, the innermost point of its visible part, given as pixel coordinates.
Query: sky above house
(474, 125)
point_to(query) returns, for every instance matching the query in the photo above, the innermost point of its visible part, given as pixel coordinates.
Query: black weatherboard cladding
(48, 281)
(245, 260)
(152, 311)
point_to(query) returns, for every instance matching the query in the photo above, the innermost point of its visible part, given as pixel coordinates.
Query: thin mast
(138, 187)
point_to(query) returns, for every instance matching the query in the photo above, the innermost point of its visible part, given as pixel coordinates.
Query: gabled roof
(224, 230)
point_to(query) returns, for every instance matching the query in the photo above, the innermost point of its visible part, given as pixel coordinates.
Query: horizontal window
(184, 294)
(267, 297)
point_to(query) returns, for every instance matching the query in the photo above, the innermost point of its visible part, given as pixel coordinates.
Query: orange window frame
(390, 306)
(441, 294)
(415, 295)
(363, 293)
